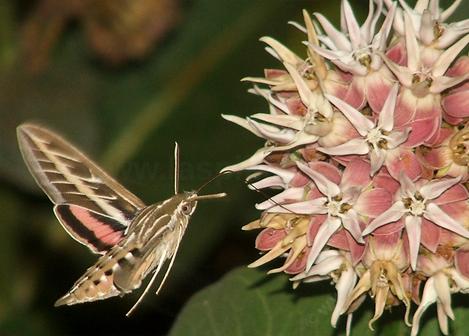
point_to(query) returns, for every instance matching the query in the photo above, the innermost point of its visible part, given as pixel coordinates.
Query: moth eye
(186, 209)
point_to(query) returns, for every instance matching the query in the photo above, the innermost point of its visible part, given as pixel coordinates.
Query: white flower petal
(325, 186)
(326, 230)
(412, 46)
(352, 225)
(450, 10)
(310, 207)
(268, 96)
(439, 217)
(289, 121)
(285, 54)
(242, 122)
(358, 120)
(345, 285)
(268, 182)
(447, 57)
(353, 28)
(377, 158)
(428, 297)
(444, 294)
(339, 39)
(290, 194)
(255, 159)
(435, 188)
(386, 116)
(413, 229)
(356, 146)
(394, 213)
(269, 132)
(286, 174)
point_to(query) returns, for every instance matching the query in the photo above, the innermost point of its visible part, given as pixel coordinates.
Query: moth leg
(170, 263)
(160, 265)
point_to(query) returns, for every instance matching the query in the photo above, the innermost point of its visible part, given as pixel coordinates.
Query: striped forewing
(93, 207)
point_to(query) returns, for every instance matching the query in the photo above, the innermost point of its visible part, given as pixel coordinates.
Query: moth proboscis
(132, 238)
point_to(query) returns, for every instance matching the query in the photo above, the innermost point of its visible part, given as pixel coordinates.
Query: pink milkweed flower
(345, 200)
(384, 262)
(455, 102)
(428, 20)
(282, 233)
(356, 50)
(419, 103)
(338, 266)
(416, 204)
(451, 156)
(379, 140)
(443, 280)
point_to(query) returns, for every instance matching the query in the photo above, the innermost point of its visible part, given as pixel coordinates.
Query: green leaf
(250, 302)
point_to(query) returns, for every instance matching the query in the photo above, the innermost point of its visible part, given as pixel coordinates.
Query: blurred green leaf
(249, 302)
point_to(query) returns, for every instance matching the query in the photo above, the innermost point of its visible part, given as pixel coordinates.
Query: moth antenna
(266, 196)
(158, 269)
(170, 263)
(213, 178)
(176, 168)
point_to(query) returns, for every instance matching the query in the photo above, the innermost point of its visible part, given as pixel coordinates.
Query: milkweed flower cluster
(367, 141)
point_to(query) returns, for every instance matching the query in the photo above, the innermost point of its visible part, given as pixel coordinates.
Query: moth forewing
(97, 211)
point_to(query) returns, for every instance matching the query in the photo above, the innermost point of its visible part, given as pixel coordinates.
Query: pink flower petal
(430, 235)
(356, 250)
(326, 230)
(314, 226)
(397, 53)
(405, 108)
(378, 86)
(274, 73)
(454, 194)
(391, 228)
(296, 107)
(299, 264)
(413, 229)
(373, 202)
(385, 181)
(354, 94)
(461, 260)
(460, 67)
(422, 130)
(339, 240)
(437, 158)
(357, 173)
(268, 237)
(299, 180)
(452, 120)
(456, 104)
(403, 160)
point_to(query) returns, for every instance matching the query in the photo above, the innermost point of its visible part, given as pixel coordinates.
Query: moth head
(190, 199)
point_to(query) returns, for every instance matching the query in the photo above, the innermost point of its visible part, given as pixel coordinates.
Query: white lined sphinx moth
(132, 238)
